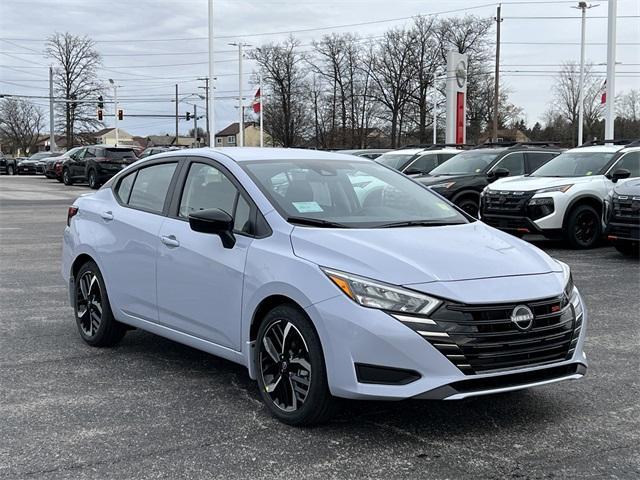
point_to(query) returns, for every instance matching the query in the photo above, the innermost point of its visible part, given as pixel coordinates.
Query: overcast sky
(119, 28)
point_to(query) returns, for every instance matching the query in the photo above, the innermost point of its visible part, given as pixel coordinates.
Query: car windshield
(396, 161)
(39, 156)
(467, 163)
(358, 194)
(575, 164)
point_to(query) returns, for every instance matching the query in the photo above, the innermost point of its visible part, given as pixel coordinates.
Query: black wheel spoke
(89, 303)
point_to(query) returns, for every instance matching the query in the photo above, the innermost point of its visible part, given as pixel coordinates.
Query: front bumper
(351, 334)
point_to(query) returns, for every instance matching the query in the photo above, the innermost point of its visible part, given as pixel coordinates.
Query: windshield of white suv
(575, 164)
(396, 161)
(335, 193)
(467, 163)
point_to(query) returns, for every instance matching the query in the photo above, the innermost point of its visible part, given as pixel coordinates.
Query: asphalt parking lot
(151, 408)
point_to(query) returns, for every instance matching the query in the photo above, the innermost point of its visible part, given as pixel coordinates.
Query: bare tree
(20, 123)
(629, 105)
(75, 80)
(286, 114)
(392, 69)
(566, 96)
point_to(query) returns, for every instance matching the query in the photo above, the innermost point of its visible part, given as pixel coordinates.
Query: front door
(199, 281)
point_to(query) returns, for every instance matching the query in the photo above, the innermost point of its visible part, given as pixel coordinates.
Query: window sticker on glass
(589, 173)
(307, 207)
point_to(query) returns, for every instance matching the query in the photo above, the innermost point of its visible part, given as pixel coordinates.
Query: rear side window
(631, 162)
(124, 188)
(150, 187)
(537, 159)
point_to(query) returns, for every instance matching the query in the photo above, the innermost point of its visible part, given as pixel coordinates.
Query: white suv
(563, 198)
(417, 161)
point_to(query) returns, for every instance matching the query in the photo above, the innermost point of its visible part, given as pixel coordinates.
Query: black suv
(8, 166)
(622, 217)
(96, 164)
(462, 178)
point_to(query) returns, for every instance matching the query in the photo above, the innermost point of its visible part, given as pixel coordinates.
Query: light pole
(582, 6)
(611, 71)
(115, 111)
(211, 122)
(240, 143)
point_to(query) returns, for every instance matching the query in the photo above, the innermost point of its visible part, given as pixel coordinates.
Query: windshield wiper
(315, 222)
(419, 223)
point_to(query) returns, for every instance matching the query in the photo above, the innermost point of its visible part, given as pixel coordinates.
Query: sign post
(456, 92)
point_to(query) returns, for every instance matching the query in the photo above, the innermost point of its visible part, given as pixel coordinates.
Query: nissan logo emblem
(522, 317)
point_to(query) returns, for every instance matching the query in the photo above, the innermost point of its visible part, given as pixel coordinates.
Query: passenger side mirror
(413, 171)
(620, 174)
(216, 222)
(498, 173)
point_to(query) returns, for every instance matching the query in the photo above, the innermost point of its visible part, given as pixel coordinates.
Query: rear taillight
(72, 212)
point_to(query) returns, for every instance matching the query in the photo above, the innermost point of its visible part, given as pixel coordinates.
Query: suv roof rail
(436, 146)
(542, 143)
(620, 141)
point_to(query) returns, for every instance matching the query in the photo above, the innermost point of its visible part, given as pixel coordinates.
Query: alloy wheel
(285, 365)
(92, 179)
(89, 303)
(586, 227)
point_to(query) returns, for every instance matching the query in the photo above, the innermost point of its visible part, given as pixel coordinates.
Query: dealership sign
(456, 92)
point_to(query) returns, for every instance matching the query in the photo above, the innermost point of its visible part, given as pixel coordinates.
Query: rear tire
(94, 318)
(583, 229)
(291, 370)
(92, 177)
(66, 177)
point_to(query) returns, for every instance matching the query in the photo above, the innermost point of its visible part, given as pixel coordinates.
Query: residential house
(107, 136)
(169, 141)
(228, 137)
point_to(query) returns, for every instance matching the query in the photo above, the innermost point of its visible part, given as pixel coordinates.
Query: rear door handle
(170, 240)
(107, 215)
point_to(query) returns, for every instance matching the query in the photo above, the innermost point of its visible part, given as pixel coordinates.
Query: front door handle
(170, 240)
(107, 215)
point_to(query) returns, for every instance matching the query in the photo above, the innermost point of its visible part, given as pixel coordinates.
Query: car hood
(628, 187)
(433, 180)
(415, 255)
(527, 184)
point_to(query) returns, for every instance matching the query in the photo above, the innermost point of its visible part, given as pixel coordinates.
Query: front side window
(537, 159)
(514, 163)
(631, 162)
(349, 194)
(467, 163)
(575, 163)
(397, 161)
(150, 188)
(424, 164)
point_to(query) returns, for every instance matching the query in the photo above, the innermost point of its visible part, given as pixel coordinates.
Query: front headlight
(373, 294)
(445, 185)
(570, 290)
(559, 188)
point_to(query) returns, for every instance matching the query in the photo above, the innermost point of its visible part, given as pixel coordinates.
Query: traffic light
(100, 116)
(100, 102)
(120, 114)
(188, 116)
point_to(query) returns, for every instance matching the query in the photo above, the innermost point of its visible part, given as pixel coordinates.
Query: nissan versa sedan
(274, 259)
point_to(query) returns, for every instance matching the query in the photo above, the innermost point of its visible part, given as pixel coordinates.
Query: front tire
(66, 177)
(583, 227)
(94, 318)
(292, 377)
(469, 205)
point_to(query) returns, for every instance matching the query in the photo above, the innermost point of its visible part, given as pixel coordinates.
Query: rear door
(135, 221)
(199, 281)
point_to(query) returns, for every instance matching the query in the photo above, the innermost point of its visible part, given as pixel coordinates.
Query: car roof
(248, 154)
(406, 151)
(598, 149)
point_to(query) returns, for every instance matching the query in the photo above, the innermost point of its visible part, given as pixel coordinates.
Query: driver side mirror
(413, 171)
(620, 174)
(498, 173)
(216, 222)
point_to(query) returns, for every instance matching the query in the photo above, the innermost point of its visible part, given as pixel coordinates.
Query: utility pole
(582, 6)
(206, 108)
(611, 71)
(177, 115)
(52, 134)
(115, 109)
(195, 125)
(435, 115)
(496, 87)
(210, 95)
(261, 113)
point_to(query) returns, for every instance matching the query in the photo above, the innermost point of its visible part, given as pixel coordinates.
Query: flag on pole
(256, 102)
(603, 98)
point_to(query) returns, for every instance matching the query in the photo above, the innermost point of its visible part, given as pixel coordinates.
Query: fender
(579, 198)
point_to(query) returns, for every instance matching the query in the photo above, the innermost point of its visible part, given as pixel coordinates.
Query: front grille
(506, 202)
(626, 209)
(624, 231)
(483, 338)
(506, 223)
